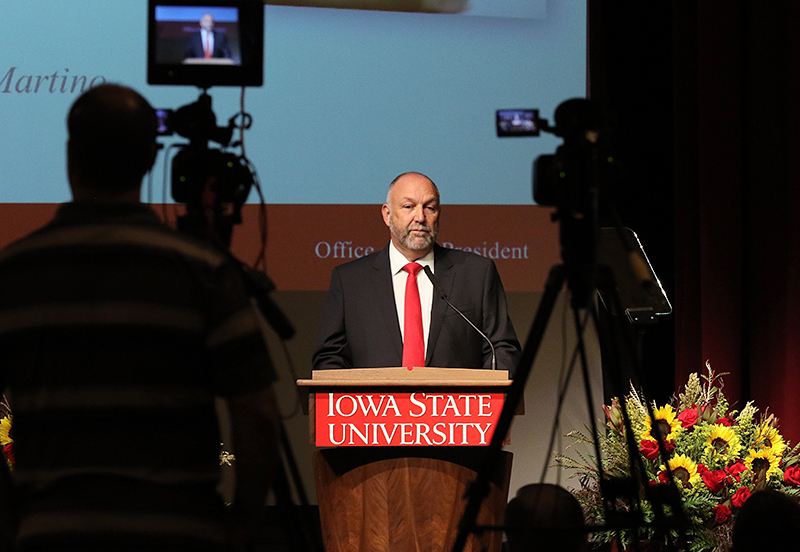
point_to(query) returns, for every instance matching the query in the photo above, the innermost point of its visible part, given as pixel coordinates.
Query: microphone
(443, 295)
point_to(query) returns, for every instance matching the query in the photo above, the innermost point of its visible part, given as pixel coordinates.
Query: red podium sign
(387, 407)
(406, 419)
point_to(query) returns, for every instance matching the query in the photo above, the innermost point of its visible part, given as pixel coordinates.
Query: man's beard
(405, 238)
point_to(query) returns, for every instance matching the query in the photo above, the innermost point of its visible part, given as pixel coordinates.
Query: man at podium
(206, 42)
(391, 308)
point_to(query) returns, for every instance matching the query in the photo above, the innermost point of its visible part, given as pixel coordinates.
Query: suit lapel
(445, 275)
(381, 281)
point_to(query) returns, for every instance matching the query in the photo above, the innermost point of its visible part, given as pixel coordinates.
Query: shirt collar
(397, 260)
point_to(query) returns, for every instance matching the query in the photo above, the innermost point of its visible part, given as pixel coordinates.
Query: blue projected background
(192, 13)
(351, 98)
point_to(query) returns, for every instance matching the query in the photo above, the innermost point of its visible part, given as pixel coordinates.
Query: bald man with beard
(361, 325)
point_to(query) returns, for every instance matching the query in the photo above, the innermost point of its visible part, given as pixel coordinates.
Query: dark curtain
(705, 96)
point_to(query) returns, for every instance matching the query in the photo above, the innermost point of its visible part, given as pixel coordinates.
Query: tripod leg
(301, 530)
(479, 489)
(671, 496)
(587, 386)
(312, 536)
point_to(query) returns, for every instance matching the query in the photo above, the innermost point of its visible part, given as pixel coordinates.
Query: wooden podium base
(404, 499)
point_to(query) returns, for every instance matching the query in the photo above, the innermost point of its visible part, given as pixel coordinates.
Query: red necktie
(413, 340)
(207, 47)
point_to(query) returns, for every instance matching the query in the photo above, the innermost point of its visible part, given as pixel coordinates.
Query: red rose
(724, 421)
(701, 469)
(722, 514)
(740, 496)
(714, 480)
(8, 452)
(663, 477)
(688, 417)
(736, 469)
(792, 476)
(649, 449)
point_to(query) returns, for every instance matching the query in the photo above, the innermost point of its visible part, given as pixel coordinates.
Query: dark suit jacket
(360, 327)
(194, 46)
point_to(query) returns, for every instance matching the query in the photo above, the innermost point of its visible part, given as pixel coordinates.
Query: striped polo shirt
(116, 334)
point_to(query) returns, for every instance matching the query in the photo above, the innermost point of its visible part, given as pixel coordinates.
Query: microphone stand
(443, 295)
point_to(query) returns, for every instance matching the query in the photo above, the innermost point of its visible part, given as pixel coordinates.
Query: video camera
(581, 163)
(574, 179)
(204, 45)
(220, 43)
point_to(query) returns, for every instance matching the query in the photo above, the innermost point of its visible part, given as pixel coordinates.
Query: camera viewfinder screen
(197, 35)
(517, 122)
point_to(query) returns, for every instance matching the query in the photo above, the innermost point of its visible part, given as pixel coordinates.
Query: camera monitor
(517, 122)
(217, 44)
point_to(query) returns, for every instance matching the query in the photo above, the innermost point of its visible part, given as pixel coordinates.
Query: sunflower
(683, 469)
(764, 459)
(666, 423)
(722, 442)
(767, 437)
(5, 431)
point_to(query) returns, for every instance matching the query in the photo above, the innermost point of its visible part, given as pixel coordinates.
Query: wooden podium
(402, 446)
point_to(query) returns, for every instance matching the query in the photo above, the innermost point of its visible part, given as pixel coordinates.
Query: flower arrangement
(717, 456)
(6, 441)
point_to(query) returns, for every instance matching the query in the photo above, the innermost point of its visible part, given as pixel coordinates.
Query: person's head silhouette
(545, 517)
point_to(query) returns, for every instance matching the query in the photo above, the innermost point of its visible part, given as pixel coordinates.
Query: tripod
(574, 177)
(610, 488)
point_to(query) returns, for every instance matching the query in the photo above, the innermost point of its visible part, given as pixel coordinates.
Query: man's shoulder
(140, 232)
(462, 258)
(184, 244)
(372, 260)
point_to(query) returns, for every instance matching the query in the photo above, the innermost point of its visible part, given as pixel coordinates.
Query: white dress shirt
(399, 276)
(207, 36)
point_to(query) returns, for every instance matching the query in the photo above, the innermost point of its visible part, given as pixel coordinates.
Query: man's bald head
(411, 213)
(414, 176)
